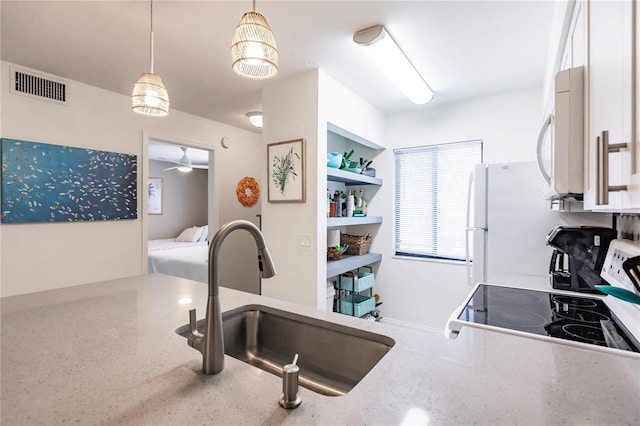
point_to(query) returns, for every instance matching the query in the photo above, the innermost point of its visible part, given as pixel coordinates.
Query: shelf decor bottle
(362, 203)
(328, 203)
(338, 201)
(350, 205)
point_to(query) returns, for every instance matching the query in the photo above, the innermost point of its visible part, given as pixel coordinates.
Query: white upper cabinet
(634, 154)
(611, 182)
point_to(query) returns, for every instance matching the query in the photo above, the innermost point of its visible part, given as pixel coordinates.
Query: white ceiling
(463, 49)
(167, 152)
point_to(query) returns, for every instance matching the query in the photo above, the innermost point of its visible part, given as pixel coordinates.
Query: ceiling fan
(184, 164)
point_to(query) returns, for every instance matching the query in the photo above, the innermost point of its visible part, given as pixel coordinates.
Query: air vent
(39, 86)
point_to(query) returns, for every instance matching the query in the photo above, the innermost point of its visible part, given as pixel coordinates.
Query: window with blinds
(431, 198)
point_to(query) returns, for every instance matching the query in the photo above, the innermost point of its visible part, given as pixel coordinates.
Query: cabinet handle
(605, 151)
(599, 201)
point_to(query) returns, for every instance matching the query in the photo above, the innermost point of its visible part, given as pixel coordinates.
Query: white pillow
(205, 233)
(190, 235)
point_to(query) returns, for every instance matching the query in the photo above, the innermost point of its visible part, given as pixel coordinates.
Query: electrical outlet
(305, 241)
(615, 268)
(612, 271)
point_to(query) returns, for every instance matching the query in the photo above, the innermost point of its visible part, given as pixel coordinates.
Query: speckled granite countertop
(107, 353)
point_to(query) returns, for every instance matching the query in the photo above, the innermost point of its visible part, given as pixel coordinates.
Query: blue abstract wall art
(53, 183)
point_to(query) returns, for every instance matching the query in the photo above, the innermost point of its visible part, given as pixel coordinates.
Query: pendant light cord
(151, 37)
(254, 5)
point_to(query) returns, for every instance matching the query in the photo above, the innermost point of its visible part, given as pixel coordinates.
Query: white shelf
(350, 178)
(349, 263)
(333, 222)
(347, 134)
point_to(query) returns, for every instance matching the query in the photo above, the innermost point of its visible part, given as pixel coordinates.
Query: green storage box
(356, 305)
(356, 281)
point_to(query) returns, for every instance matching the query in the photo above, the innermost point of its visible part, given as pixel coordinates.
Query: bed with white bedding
(184, 256)
(172, 244)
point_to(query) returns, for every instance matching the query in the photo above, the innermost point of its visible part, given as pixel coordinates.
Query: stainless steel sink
(333, 358)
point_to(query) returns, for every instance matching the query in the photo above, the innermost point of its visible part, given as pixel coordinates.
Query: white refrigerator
(508, 221)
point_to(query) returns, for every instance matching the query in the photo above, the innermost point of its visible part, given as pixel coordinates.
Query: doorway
(180, 174)
(179, 183)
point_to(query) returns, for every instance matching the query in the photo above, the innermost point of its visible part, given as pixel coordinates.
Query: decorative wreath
(254, 191)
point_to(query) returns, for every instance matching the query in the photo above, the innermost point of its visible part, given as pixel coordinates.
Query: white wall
(44, 256)
(424, 293)
(507, 123)
(290, 111)
(342, 107)
(184, 200)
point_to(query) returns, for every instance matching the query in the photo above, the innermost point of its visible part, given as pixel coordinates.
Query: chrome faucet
(211, 343)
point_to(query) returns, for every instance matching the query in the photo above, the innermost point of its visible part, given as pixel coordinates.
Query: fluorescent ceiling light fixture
(149, 96)
(254, 53)
(255, 118)
(386, 54)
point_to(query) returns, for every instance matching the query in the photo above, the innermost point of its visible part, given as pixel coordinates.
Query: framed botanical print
(286, 172)
(154, 191)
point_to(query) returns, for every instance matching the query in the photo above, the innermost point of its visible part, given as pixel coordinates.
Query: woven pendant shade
(149, 96)
(254, 53)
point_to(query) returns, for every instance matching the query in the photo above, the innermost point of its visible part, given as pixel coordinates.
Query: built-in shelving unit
(351, 262)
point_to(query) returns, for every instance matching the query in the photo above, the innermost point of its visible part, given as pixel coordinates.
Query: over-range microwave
(560, 149)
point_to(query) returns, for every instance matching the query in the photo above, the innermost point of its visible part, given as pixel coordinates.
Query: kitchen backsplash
(628, 226)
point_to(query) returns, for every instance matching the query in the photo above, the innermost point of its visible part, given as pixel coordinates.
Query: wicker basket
(334, 254)
(358, 244)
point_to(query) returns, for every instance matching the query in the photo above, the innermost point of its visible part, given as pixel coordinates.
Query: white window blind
(431, 198)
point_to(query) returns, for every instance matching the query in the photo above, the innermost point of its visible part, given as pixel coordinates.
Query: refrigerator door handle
(468, 229)
(479, 261)
(467, 259)
(469, 191)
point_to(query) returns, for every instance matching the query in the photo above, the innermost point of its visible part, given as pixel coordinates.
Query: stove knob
(565, 307)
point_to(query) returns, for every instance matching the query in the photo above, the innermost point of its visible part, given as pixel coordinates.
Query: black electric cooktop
(577, 318)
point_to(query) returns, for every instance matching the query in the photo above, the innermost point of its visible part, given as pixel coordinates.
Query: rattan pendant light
(149, 95)
(254, 53)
